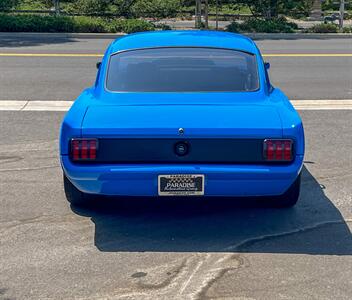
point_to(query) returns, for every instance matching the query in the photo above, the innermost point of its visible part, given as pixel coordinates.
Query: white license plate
(181, 185)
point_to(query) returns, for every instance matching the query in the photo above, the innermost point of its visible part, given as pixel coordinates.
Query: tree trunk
(57, 7)
(206, 13)
(198, 14)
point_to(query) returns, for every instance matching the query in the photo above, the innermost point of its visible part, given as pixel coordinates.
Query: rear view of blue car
(182, 113)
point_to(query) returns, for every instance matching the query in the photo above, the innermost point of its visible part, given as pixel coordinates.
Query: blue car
(182, 113)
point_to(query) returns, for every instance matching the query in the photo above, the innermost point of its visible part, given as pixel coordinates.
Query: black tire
(75, 196)
(290, 198)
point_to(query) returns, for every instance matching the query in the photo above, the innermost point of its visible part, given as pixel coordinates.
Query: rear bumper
(220, 180)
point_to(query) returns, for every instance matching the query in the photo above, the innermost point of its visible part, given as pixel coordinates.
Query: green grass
(32, 5)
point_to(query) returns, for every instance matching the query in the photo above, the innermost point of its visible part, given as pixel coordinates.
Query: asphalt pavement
(143, 249)
(298, 67)
(180, 249)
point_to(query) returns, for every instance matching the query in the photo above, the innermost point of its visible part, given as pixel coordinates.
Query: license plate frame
(181, 185)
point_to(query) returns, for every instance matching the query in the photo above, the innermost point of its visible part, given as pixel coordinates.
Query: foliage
(8, 4)
(131, 25)
(330, 5)
(163, 26)
(90, 7)
(156, 8)
(273, 8)
(261, 25)
(347, 29)
(169, 8)
(35, 23)
(324, 28)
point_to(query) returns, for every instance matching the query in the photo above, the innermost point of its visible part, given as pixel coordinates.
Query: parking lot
(148, 249)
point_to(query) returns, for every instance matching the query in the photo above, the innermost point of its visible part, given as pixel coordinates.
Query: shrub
(31, 23)
(324, 28)
(347, 29)
(131, 25)
(163, 26)
(87, 24)
(276, 25)
(36, 23)
(8, 4)
(234, 27)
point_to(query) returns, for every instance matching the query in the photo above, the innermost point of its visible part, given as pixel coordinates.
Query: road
(63, 78)
(128, 249)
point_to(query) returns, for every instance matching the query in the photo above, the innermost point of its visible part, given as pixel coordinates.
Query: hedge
(324, 28)
(261, 25)
(40, 23)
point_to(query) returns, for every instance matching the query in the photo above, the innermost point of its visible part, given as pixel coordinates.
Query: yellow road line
(101, 55)
(309, 55)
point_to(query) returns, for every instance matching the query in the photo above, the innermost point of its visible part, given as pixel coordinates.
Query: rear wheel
(290, 198)
(75, 196)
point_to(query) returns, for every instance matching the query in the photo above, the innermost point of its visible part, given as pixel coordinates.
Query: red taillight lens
(84, 149)
(278, 150)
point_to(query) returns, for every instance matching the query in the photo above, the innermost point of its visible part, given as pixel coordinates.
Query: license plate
(181, 185)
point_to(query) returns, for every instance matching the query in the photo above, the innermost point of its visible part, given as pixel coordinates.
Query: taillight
(84, 149)
(278, 150)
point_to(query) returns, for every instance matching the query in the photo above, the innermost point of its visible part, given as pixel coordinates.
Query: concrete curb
(255, 36)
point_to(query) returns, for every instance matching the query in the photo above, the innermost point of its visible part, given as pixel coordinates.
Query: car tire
(75, 196)
(290, 197)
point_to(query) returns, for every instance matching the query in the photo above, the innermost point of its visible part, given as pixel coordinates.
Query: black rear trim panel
(163, 151)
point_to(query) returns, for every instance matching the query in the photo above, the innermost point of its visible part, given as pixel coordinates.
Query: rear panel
(200, 150)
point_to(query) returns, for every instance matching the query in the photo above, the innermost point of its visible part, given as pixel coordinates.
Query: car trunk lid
(157, 121)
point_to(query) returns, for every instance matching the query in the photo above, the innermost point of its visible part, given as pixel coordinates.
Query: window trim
(178, 47)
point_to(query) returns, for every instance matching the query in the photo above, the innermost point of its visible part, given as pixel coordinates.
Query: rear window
(182, 70)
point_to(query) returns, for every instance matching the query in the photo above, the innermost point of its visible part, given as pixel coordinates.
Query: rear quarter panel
(292, 125)
(72, 123)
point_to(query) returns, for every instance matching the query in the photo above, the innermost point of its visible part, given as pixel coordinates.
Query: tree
(91, 7)
(8, 4)
(272, 8)
(155, 8)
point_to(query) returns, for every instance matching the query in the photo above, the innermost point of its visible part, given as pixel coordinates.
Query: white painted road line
(12, 105)
(322, 104)
(9, 105)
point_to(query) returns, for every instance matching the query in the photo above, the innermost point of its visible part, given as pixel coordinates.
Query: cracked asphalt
(144, 249)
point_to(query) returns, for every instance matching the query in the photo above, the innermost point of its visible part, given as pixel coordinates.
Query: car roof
(189, 38)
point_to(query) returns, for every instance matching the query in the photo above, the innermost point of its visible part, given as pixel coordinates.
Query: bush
(36, 23)
(347, 29)
(88, 24)
(324, 28)
(8, 4)
(163, 26)
(31, 23)
(131, 25)
(276, 25)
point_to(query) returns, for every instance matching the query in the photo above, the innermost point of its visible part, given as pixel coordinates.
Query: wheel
(75, 196)
(290, 197)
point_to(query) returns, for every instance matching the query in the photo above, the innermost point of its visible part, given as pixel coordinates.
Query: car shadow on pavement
(12, 40)
(314, 226)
